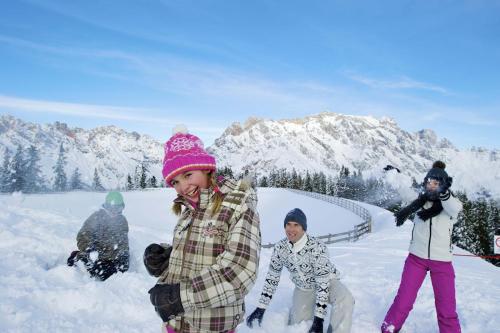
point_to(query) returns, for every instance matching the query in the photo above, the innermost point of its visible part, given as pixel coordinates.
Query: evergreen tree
(282, 178)
(331, 188)
(130, 183)
(322, 183)
(153, 182)
(475, 228)
(137, 177)
(6, 173)
(18, 170)
(315, 183)
(294, 180)
(60, 179)
(226, 172)
(263, 182)
(96, 183)
(273, 178)
(76, 180)
(308, 185)
(342, 183)
(34, 180)
(300, 182)
(142, 181)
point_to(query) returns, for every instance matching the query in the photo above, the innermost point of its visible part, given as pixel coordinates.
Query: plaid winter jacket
(215, 259)
(310, 268)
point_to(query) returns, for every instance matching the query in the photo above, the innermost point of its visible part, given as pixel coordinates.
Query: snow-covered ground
(40, 293)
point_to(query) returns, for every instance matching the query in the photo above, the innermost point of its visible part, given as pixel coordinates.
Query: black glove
(156, 258)
(403, 214)
(257, 314)
(317, 326)
(432, 211)
(166, 299)
(71, 259)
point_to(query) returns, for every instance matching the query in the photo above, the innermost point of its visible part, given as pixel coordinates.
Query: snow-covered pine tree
(153, 182)
(60, 179)
(143, 178)
(18, 170)
(6, 179)
(294, 179)
(342, 182)
(315, 183)
(130, 183)
(137, 177)
(96, 183)
(34, 180)
(263, 182)
(226, 172)
(273, 178)
(331, 188)
(475, 228)
(76, 180)
(308, 185)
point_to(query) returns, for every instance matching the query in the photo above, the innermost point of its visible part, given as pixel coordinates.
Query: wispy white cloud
(232, 91)
(93, 111)
(402, 82)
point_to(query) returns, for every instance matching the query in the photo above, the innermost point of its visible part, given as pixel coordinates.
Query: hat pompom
(181, 128)
(439, 164)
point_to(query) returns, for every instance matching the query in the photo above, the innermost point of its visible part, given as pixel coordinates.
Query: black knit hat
(437, 172)
(296, 215)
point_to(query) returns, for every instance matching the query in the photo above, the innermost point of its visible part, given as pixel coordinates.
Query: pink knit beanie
(184, 152)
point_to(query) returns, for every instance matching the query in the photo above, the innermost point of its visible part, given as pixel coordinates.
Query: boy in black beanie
(316, 280)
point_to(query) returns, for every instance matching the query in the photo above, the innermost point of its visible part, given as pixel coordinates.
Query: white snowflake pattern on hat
(183, 143)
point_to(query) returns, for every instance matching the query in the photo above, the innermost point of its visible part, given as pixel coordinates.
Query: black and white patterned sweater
(309, 266)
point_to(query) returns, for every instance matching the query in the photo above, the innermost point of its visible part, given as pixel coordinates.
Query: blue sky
(149, 65)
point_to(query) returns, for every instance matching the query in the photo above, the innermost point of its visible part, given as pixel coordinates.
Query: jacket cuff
(187, 297)
(319, 312)
(445, 196)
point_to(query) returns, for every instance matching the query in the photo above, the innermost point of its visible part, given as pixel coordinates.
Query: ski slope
(41, 294)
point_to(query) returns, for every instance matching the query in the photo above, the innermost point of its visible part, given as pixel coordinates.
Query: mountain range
(322, 142)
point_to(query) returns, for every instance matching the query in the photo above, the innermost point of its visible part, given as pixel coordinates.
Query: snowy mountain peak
(114, 152)
(327, 141)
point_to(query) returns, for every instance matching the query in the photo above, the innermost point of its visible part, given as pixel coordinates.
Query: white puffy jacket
(431, 239)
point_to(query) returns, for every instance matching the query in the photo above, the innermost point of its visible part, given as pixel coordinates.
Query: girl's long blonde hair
(217, 197)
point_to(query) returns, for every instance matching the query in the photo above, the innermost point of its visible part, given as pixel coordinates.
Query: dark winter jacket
(105, 234)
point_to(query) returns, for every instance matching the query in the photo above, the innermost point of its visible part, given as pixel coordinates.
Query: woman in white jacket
(430, 250)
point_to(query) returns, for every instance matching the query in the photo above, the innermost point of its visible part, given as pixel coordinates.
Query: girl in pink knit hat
(213, 261)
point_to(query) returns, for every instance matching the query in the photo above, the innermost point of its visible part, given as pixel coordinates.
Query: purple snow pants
(443, 283)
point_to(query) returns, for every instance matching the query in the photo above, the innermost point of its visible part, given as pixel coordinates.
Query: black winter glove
(432, 211)
(166, 299)
(317, 326)
(156, 258)
(257, 314)
(72, 258)
(403, 214)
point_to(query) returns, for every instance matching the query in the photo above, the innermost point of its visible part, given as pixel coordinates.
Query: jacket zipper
(430, 237)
